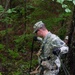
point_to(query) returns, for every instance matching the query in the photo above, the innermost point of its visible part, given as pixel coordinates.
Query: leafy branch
(7, 3)
(65, 6)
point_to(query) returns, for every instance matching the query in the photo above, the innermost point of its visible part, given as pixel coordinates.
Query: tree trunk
(70, 41)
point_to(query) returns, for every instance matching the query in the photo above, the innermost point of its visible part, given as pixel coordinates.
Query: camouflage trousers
(54, 72)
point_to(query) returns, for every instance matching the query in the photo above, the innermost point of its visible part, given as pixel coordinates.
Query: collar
(49, 33)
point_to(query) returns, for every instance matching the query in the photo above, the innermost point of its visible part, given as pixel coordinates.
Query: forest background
(17, 18)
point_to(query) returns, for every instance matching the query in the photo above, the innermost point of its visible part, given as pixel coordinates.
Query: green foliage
(28, 39)
(13, 54)
(16, 73)
(37, 2)
(34, 63)
(60, 1)
(20, 43)
(64, 15)
(38, 15)
(50, 22)
(13, 14)
(3, 58)
(19, 39)
(0, 74)
(1, 46)
(1, 9)
(9, 11)
(7, 18)
(3, 32)
(62, 32)
(15, 59)
(65, 6)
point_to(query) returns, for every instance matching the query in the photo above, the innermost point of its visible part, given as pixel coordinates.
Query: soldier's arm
(60, 45)
(64, 49)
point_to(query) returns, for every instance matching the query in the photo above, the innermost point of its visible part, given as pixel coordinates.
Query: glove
(35, 38)
(56, 51)
(46, 64)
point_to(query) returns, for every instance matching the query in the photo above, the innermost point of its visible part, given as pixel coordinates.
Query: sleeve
(57, 42)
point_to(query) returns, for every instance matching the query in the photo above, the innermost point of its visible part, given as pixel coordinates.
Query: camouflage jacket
(49, 42)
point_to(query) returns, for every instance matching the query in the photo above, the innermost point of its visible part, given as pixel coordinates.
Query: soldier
(50, 50)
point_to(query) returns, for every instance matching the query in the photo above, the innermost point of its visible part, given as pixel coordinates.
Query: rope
(65, 69)
(31, 55)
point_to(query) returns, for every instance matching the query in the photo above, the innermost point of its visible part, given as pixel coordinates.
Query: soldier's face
(38, 32)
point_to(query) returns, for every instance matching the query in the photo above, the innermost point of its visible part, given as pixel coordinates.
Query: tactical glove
(46, 64)
(56, 51)
(35, 38)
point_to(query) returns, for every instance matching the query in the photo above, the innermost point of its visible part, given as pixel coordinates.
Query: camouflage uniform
(50, 41)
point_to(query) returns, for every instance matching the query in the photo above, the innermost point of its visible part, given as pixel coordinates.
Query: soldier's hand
(56, 51)
(39, 52)
(45, 64)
